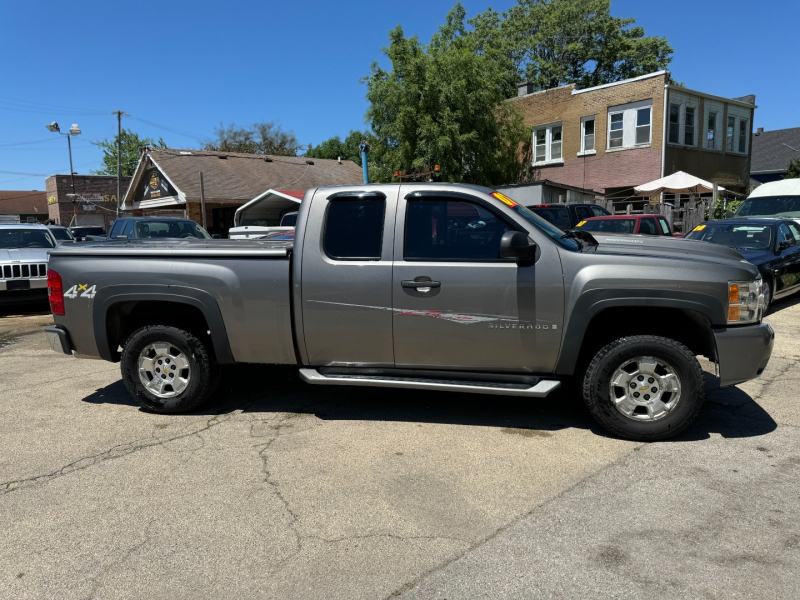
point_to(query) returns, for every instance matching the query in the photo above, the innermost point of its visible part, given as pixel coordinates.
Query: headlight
(745, 301)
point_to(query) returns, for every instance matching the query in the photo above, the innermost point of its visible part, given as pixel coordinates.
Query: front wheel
(168, 370)
(644, 388)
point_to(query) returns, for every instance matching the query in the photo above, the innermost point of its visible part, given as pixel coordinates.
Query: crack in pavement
(116, 452)
(97, 579)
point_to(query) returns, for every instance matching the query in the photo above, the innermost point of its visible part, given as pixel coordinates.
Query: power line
(36, 106)
(167, 128)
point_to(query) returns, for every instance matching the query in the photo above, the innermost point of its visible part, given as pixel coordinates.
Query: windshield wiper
(581, 237)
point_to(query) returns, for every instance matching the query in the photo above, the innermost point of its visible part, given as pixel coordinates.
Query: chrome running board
(539, 390)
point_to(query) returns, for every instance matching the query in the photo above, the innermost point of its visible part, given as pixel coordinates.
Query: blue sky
(189, 66)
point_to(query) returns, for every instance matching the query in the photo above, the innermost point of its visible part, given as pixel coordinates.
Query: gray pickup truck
(421, 286)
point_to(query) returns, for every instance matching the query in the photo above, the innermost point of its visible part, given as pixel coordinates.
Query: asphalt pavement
(277, 489)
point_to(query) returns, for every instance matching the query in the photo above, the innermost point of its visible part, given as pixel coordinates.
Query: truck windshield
(19, 237)
(746, 237)
(170, 229)
(770, 206)
(609, 225)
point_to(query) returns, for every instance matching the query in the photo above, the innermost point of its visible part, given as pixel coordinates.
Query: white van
(274, 210)
(773, 199)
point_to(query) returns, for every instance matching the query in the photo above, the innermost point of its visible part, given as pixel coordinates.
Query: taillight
(55, 292)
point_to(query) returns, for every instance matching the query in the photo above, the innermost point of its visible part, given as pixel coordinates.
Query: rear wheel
(168, 370)
(644, 388)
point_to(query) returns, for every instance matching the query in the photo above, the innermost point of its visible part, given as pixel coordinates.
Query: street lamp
(74, 130)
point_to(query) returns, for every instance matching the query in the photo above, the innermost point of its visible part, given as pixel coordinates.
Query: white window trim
(548, 140)
(583, 151)
(694, 126)
(636, 126)
(713, 148)
(608, 132)
(738, 114)
(684, 101)
(738, 133)
(633, 107)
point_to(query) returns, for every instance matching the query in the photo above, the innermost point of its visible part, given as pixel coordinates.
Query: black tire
(597, 387)
(203, 370)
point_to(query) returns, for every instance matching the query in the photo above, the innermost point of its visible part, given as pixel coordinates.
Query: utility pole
(364, 148)
(119, 114)
(202, 202)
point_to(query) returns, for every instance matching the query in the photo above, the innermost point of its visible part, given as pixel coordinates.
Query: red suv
(642, 224)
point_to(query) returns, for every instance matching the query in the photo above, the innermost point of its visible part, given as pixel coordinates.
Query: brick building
(95, 201)
(613, 137)
(23, 207)
(169, 180)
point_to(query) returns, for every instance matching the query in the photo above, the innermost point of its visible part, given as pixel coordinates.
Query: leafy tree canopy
(794, 169)
(442, 103)
(556, 42)
(348, 149)
(259, 138)
(130, 147)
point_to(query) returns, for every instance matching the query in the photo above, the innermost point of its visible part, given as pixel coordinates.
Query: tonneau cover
(196, 248)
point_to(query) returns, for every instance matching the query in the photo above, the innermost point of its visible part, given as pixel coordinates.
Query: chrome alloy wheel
(163, 369)
(645, 388)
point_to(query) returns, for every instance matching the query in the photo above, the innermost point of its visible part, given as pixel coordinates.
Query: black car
(137, 228)
(772, 245)
(567, 216)
(81, 233)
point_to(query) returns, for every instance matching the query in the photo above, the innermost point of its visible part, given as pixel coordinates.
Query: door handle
(408, 283)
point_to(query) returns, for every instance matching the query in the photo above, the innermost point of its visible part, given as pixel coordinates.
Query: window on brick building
(548, 143)
(643, 125)
(587, 134)
(616, 130)
(688, 126)
(630, 125)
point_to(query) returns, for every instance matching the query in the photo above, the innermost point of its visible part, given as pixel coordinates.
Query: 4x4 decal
(82, 289)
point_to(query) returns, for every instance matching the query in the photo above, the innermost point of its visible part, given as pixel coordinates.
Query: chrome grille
(23, 271)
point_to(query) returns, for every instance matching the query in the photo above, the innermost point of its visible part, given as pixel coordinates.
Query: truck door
(346, 279)
(456, 303)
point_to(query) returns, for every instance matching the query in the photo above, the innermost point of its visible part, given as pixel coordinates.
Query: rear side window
(557, 215)
(116, 229)
(354, 228)
(664, 225)
(583, 212)
(129, 230)
(599, 211)
(443, 230)
(648, 227)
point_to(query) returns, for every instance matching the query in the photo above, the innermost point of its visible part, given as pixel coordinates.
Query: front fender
(594, 301)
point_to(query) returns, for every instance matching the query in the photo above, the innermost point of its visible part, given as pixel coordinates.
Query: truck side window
(129, 230)
(647, 226)
(451, 230)
(116, 229)
(354, 228)
(664, 226)
(583, 212)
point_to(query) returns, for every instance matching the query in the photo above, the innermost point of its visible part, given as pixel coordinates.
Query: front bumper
(58, 339)
(743, 352)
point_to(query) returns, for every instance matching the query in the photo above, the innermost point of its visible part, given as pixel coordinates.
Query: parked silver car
(23, 262)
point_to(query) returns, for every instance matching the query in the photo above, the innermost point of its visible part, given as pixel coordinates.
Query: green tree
(793, 170)
(348, 149)
(260, 138)
(130, 152)
(556, 42)
(443, 103)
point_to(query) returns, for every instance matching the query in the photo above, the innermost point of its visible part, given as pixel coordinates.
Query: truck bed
(241, 287)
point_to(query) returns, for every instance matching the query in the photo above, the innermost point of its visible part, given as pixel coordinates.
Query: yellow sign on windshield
(581, 224)
(699, 228)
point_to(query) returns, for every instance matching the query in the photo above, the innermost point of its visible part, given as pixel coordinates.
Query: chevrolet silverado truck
(423, 287)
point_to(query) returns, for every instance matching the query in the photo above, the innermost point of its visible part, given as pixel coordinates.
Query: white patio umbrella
(677, 183)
